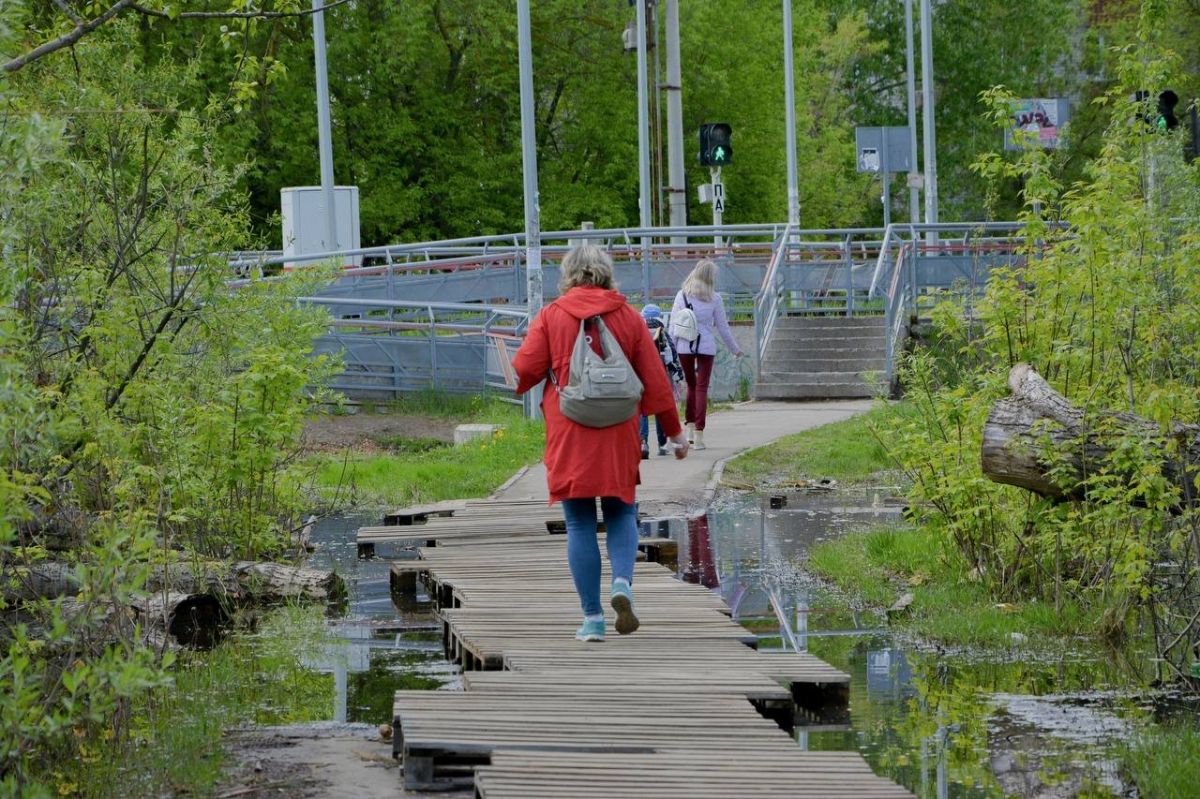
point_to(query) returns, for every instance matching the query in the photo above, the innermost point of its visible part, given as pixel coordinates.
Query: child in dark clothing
(670, 358)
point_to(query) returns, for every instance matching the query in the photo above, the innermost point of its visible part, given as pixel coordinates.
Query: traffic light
(715, 146)
(1167, 100)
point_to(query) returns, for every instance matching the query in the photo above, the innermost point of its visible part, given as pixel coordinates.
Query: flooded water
(379, 646)
(943, 724)
(962, 724)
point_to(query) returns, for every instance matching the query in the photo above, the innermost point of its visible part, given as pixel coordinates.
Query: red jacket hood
(584, 301)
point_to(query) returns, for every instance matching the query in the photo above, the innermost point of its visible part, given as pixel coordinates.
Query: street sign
(718, 190)
(1041, 120)
(884, 149)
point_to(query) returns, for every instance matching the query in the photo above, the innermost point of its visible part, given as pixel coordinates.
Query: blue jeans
(583, 553)
(645, 425)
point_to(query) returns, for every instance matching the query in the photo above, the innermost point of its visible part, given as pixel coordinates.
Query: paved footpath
(670, 484)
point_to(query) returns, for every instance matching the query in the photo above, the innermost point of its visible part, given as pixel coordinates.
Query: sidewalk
(671, 485)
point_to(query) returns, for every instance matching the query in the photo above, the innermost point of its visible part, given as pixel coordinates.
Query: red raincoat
(589, 461)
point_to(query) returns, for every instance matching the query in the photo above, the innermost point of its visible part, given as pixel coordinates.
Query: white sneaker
(699, 442)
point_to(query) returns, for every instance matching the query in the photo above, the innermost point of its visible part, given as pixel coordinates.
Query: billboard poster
(1041, 120)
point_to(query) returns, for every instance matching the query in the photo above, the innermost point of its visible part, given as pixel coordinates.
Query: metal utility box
(303, 214)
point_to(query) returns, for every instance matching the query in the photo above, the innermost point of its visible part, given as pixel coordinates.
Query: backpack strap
(550, 370)
(696, 341)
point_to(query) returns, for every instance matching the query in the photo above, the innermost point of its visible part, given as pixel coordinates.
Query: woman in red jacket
(583, 463)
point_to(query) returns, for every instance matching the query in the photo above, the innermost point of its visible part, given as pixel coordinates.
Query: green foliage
(147, 407)
(1106, 312)
(849, 451)
(1165, 762)
(951, 604)
(174, 739)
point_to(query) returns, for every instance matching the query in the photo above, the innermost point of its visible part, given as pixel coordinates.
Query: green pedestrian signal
(716, 149)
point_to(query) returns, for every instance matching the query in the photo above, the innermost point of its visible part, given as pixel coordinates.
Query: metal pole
(887, 188)
(676, 181)
(793, 189)
(927, 113)
(533, 223)
(914, 194)
(324, 134)
(718, 200)
(643, 149)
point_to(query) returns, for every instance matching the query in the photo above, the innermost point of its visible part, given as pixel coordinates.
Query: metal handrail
(766, 302)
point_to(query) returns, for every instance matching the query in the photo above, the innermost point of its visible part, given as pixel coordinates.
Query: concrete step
(820, 322)
(798, 370)
(817, 390)
(823, 349)
(846, 333)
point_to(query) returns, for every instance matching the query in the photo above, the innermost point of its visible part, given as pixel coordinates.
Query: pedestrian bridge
(822, 312)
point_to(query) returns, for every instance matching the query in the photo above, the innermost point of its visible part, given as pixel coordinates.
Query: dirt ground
(315, 761)
(364, 432)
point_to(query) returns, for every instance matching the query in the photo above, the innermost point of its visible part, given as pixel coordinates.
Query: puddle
(380, 647)
(960, 724)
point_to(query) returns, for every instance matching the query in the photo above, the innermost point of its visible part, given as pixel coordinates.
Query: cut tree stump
(1018, 427)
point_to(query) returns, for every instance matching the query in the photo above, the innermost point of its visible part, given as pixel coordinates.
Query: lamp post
(793, 189)
(324, 127)
(533, 223)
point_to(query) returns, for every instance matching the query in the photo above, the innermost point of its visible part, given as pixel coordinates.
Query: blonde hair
(702, 281)
(587, 265)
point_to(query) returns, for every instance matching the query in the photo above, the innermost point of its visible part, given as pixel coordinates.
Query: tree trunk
(192, 620)
(236, 583)
(1018, 427)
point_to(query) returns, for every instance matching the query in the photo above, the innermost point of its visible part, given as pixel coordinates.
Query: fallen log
(244, 582)
(191, 620)
(249, 582)
(1017, 428)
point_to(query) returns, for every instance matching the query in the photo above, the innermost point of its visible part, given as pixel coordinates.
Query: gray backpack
(602, 390)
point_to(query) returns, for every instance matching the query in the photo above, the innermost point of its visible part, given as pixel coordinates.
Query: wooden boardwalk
(684, 707)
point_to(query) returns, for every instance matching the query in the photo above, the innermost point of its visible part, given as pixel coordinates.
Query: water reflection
(379, 646)
(965, 724)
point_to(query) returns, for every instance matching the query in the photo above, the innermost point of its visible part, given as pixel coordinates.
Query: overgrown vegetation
(1165, 761)
(1105, 310)
(173, 743)
(950, 604)
(149, 412)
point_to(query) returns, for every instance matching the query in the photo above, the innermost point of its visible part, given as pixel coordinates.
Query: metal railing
(395, 346)
(450, 313)
(918, 264)
(767, 300)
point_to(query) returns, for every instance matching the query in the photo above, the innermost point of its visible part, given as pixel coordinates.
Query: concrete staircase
(823, 357)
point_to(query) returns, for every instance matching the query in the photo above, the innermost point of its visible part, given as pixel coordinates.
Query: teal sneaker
(622, 603)
(590, 631)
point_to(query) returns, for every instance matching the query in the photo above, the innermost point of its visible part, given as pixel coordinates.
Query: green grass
(1165, 762)
(173, 745)
(878, 566)
(845, 451)
(428, 474)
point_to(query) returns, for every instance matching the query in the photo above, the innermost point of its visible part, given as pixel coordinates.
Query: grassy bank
(174, 735)
(879, 566)
(846, 451)
(1165, 762)
(422, 470)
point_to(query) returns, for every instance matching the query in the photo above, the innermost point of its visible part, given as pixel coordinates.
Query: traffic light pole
(718, 203)
(529, 173)
(643, 149)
